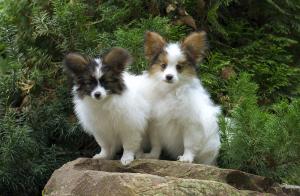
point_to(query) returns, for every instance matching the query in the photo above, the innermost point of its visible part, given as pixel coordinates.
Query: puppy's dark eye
(103, 82)
(88, 82)
(92, 81)
(163, 66)
(179, 67)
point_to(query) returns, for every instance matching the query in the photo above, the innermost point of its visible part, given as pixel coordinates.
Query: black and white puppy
(108, 102)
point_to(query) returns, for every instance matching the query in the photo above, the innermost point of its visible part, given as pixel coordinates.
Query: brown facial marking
(186, 68)
(159, 64)
(153, 45)
(189, 70)
(194, 46)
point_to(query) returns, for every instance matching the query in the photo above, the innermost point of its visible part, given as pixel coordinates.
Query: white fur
(115, 121)
(183, 118)
(98, 73)
(174, 53)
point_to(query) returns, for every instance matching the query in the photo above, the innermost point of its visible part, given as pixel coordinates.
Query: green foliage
(266, 56)
(282, 16)
(21, 165)
(123, 13)
(38, 137)
(271, 71)
(39, 132)
(9, 91)
(213, 15)
(265, 142)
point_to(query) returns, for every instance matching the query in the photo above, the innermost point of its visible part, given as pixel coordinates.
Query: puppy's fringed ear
(154, 43)
(117, 59)
(75, 64)
(195, 45)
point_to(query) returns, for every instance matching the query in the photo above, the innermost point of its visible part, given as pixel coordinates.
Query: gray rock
(86, 177)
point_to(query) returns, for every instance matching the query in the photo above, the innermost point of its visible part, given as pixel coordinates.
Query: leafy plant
(39, 132)
(265, 142)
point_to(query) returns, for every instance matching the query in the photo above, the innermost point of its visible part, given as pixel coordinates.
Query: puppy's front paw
(100, 156)
(185, 158)
(127, 159)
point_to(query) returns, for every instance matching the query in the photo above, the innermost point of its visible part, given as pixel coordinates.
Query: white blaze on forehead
(98, 73)
(98, 61)
(174, 53)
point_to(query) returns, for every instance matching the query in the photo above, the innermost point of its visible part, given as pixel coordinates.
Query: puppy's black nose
(97, 95)
(169, 77)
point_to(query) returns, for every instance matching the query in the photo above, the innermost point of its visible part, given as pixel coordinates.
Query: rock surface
(86, 177)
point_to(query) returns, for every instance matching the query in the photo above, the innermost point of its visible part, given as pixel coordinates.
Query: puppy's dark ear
(117, 59)
(75, 64)
(195, 45)
(154, 44)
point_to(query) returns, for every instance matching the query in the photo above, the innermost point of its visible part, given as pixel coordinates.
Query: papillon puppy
(184, 120)
(108, 102)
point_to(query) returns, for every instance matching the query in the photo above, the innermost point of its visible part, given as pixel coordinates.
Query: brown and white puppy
(108, 102)
(183, 118)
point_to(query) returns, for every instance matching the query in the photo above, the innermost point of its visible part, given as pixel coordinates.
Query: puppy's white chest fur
(108, 102)
(116, 121)
(185, 116)
(184, 119)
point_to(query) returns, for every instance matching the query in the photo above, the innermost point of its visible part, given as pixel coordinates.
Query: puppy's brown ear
(117, 59)
(154, 43)
(195, 45)
(75, 64)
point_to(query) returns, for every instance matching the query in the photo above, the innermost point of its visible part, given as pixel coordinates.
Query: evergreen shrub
(39, 132)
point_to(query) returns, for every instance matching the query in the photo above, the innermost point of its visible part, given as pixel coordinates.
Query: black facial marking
(86, 84)
(103, 83)
(85, 81)
(114, 63)
(179, 68)
(82, 71)
(112, 81)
